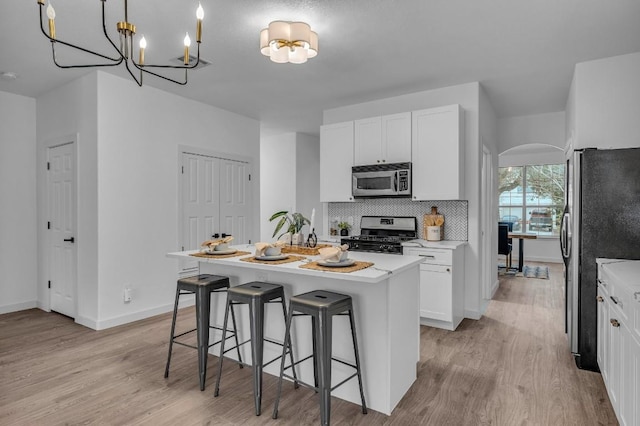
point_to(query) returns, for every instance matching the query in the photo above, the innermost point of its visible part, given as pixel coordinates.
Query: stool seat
(333, 303)
(202, 286)
(256, 289)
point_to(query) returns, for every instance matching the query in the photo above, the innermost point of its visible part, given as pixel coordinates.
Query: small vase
(344, 232)
(297, 239)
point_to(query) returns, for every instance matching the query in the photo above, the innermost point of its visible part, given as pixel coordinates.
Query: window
(532, 197)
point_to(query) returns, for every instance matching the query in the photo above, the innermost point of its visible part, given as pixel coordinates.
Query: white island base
(386, 303)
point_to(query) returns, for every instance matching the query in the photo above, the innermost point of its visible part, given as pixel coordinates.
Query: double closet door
(215, 200)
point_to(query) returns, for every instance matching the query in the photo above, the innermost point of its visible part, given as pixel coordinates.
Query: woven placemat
(289, 259)
(220, 256)
(308, 251)
(355, 267)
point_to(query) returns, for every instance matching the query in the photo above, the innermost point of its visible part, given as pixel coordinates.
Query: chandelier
(289, 42)
(124, 50)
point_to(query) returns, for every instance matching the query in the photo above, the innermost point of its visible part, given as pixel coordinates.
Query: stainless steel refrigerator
(601, 219)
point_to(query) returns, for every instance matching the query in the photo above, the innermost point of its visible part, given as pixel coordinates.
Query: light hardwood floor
(512, 367)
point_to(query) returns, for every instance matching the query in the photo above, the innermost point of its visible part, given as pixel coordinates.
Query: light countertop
(444, 244)
(626, 272)
(385, 265)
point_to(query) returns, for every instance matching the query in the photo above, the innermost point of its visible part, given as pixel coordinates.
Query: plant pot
(344, 232)
(297, 239)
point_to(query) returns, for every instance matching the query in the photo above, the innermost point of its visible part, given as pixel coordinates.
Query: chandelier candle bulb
(143, 45)
(187, 43)
(51, 14)
(199, 17)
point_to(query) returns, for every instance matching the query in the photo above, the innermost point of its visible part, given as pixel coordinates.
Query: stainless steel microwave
(381, 180)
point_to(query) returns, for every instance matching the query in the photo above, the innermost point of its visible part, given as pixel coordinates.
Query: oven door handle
(395, 182)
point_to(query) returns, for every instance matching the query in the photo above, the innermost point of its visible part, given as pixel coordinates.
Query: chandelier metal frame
(125, 52)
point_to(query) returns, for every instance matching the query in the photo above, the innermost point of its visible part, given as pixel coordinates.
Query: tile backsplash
(455, 213)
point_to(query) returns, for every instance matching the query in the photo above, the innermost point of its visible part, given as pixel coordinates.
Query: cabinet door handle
(448, 269)
(614, 299)
(600, 299)
(602, 282)
(615, 322)
(70, 240)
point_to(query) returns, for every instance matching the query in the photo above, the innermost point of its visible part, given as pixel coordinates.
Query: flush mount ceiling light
(291, 42)
(123, 52)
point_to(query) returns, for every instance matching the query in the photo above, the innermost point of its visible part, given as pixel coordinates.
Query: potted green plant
(294, 224)
(344, 228)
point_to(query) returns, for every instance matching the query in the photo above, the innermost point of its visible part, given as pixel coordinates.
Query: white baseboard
(527, 258)
(15, 307)
(475, 315)
(87, 322)
(136, 316)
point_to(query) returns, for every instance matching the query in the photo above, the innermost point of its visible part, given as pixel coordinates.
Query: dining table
(521, 236)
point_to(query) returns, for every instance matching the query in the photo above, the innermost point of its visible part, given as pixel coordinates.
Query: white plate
(227, 251)
(341, 264)
(276, 257)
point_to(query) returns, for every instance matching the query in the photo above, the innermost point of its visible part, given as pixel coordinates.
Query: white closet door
(200, 201)
(235, 200)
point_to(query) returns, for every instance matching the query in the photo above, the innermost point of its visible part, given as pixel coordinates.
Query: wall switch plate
(127, 295)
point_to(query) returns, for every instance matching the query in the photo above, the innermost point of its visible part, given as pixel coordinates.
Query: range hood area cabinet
(432, 139)
(336, 160)
(383, 139)
(437, 153)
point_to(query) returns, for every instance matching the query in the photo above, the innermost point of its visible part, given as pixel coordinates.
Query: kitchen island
(386, 302)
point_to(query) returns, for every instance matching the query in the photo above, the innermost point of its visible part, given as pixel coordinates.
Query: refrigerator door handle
(565, 235)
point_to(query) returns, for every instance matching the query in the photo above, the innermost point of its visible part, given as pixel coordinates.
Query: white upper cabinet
(336, 160)
(385, 139)
(437, 153)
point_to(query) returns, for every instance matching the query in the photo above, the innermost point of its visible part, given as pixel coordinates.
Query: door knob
(70, 240)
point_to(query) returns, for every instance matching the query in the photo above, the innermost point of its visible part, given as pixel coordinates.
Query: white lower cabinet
(441, 286)
(618, 348)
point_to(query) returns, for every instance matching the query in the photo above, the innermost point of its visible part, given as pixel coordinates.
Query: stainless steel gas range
(383, 234)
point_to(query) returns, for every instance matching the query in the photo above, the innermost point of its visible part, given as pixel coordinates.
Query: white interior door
(61, 200)
(215, 200)
(200, 201)
(235, 200)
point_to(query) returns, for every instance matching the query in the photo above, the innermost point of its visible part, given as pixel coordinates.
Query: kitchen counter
(444, 244)
(625, 272)
(386, 304)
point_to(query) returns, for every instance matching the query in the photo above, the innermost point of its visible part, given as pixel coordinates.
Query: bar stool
(255, 294)
(202, 286)
(321, 306)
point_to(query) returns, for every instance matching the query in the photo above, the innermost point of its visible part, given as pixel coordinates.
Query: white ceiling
(522, 51)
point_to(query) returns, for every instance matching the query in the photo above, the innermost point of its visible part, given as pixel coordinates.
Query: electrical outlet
(127, 295)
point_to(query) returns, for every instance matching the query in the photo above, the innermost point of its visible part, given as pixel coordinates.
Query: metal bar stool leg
(203, 314)
(173, 331)
(289, 346)
(287, 342)
(235, 335)
(314, 343)
(256, 314)
(324, 362)
(357, 356)
(216, 392)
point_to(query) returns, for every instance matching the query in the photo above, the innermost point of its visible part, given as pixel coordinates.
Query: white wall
(128, 160)
(138, 157)
(278, 179)
(290, 174)
(467, 95)
(18, 237)
(606, 103)
(308, 179)
(548, 129)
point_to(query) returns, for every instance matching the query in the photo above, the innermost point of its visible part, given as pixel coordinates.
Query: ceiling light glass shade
(292, 42)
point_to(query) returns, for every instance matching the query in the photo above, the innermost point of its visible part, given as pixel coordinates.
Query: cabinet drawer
(432, 256)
